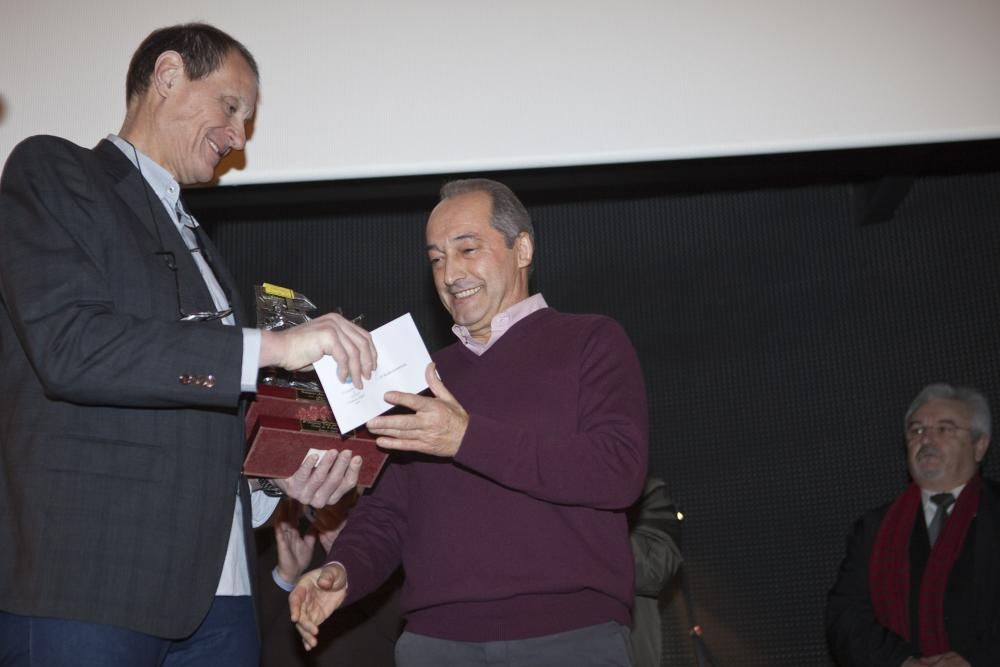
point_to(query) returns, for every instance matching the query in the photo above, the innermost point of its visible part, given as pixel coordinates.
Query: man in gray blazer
(124, 518)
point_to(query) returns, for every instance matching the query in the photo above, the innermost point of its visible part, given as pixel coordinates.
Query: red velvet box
(278, 445)
(286, 402)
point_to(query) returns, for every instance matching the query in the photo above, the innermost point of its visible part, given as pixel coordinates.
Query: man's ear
(525, 248)
(167, 72)
(980, 446)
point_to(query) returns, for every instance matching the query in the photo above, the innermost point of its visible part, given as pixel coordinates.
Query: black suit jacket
(117, 479)
(971, 604)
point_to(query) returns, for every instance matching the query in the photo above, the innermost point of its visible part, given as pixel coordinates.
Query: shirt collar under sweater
(501, 323)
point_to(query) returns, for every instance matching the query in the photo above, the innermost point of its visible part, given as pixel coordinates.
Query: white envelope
(402, 362)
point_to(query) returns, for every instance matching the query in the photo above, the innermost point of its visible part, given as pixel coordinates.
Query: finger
(365, 346)
(435, 383)
(397, 423)
(301, 476)
(309, 539)
(349, 482)
(402, 445)
(332, 578)
(295, 603)
(308, 633)
(315, 475)
(332, 479)
(352, 358)
(414, 402)
(350, 347)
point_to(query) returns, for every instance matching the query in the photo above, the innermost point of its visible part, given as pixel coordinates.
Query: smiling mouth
(466, 293)
(215, 147)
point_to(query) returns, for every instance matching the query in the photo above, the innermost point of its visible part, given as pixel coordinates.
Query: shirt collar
(925, 495)
(163, 184)
(501, 323)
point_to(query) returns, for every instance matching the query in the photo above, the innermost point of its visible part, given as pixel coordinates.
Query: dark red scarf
(889, 570)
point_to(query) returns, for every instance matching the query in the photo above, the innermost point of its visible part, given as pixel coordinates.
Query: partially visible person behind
(362, 634)
(124, 518)
(505, 500)
(920, 584)
(654, 532)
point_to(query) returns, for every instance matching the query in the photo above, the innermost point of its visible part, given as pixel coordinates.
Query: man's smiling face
(476, 275)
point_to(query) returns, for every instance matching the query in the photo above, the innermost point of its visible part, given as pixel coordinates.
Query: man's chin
(926, 474)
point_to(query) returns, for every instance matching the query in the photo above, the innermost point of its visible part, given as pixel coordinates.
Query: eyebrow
(460, 237)
(914, 422)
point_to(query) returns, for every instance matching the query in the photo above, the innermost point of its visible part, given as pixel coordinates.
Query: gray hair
(972, 399)
(508, 215)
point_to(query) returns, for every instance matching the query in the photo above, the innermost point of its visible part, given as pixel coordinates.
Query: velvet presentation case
(284, 425)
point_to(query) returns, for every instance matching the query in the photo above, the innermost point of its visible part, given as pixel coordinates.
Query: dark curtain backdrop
(786, 310)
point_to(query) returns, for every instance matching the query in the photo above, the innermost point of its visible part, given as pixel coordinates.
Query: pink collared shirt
(500, 323)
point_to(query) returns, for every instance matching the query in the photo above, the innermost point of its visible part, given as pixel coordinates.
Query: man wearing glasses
(920, 584)
(124, 518)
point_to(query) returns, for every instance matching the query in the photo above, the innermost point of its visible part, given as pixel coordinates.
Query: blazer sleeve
(91, 304)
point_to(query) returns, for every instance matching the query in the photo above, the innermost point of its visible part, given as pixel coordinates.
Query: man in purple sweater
(505, 501)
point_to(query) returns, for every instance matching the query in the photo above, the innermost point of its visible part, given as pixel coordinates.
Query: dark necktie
(943, 502)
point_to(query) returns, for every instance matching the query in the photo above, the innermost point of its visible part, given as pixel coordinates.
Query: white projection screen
(365, 88)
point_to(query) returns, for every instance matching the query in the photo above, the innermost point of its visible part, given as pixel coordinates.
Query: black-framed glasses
(943, 430)
(184, 316)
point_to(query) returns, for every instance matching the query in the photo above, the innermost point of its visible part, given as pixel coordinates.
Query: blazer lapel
(150, 214)
(133, 190)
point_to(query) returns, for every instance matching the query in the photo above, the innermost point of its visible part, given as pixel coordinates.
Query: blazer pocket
(119, 459)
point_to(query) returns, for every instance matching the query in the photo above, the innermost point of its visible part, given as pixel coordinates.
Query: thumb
(436, 385)
(333, 578)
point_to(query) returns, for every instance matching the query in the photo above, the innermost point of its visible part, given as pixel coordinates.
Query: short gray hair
(972, 399)
(508, 215)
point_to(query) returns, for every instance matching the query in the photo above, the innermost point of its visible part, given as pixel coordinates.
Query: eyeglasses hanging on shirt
(193, 239)
(190, 233)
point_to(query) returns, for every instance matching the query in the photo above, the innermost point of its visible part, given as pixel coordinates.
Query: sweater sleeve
(369, 546)
(599, 462)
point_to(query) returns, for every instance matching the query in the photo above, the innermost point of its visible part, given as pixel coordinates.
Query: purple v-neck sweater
(522, 534)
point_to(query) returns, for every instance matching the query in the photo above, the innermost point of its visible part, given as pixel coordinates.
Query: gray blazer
(117, 477)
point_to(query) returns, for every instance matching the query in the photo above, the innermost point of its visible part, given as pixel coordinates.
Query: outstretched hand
(317, 595)
(436, 427)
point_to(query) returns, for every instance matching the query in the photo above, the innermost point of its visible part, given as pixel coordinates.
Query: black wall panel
(782, 341)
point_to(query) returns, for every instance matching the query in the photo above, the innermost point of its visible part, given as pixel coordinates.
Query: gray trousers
(604, 645)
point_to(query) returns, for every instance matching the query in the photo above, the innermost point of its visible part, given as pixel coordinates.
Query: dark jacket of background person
(655, 537)
(971, 602)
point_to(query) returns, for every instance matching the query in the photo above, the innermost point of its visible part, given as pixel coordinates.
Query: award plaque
(290, 416)
(279, 445)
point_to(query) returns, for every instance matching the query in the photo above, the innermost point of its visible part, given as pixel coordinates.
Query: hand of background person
(298, 347)
(317, 594)
(436, 427)
(325, 483)
(295, 549)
